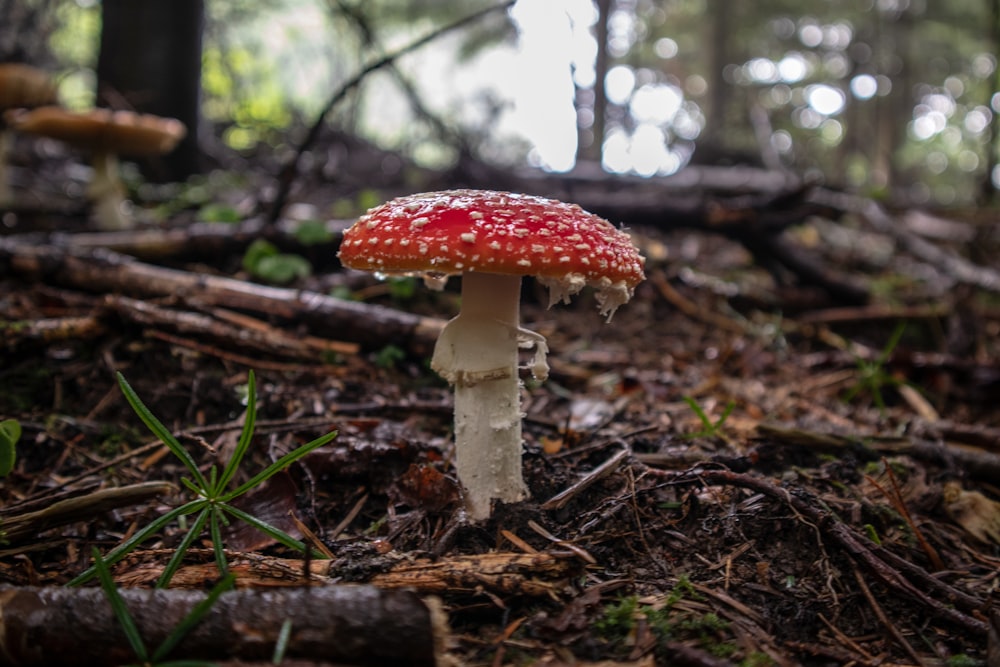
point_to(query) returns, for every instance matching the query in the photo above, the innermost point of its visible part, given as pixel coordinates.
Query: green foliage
(389, 356)
(873, 378)
(362, 201)
(10, 433)
(665, 621)
(127, 623)
(312, 232)
(263, 261)
(618, 618)
(281, 645)
(244, 90)
(757, 659)
(710, 429)
(962, 660)
(213, 212)
(211, 504)
(402, 288)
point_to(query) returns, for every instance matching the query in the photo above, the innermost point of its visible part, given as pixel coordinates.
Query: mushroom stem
(107, 192)
(477, 353)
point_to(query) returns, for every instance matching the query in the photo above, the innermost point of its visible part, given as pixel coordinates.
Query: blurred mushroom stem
(477, 352)
(107, 192)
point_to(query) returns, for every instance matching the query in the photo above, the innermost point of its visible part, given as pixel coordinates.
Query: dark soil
(803, 524)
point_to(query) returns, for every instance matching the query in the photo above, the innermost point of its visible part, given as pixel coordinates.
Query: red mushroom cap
(495, 232)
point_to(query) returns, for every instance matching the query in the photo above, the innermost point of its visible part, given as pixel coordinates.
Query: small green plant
(873, 377)
(618, 618)
(709, 428)
(10, 433)
(213, 212)
(402, 288)
(389, 356)
(312, 232)
(665, 620)
(757, 659)
(263, 260)
(125, 620)
(962, 660)
(211, 505)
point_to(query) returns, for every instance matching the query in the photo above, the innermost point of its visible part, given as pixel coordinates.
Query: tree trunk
(150, 61)
(595, 149)
(987, 190)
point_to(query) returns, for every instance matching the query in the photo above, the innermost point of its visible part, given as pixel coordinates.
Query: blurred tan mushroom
(106, 134)
(21, 86)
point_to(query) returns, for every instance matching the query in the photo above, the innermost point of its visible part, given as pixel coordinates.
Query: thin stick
(560, 500)
(890, 628)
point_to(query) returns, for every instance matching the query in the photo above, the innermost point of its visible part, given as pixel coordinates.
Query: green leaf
(246, 437)
(282, 269)
(10, 433)
(698, 411)
(217, 546)
(161, 432)
(119, 608)
(282, 463)
(138, 538)
(312, 232)
(192, 619)
(257, 251)
(274, 533)
(178, 556)
(218, 213)
(262, 260)
(281, 644)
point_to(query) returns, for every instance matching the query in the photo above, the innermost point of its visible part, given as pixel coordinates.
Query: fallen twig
(242, 331)
(560, 500)
(915, 583)
(103, 271)
(28, 525)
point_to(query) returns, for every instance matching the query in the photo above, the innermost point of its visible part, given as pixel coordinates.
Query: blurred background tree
(894, 98)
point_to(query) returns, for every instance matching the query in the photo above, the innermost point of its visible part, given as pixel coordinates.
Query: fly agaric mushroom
(493, 239)
(106, 134)
(21, 86)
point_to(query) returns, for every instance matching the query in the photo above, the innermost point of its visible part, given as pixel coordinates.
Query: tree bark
(150, 61)
(595, 150)
(354, 624)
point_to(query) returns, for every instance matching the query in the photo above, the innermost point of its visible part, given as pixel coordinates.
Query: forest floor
(716, 478)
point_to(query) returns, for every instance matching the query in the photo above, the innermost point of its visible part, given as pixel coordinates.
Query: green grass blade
(193, 487)
(730, 406)
(282, 463)
(693, 404)
(281, 645)
(217, 546)
(128, 545)
(119, 608)
(192, 619)
(890, 346)
(246, 436)
(266, 528)
(178, 556)
(160, 431)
